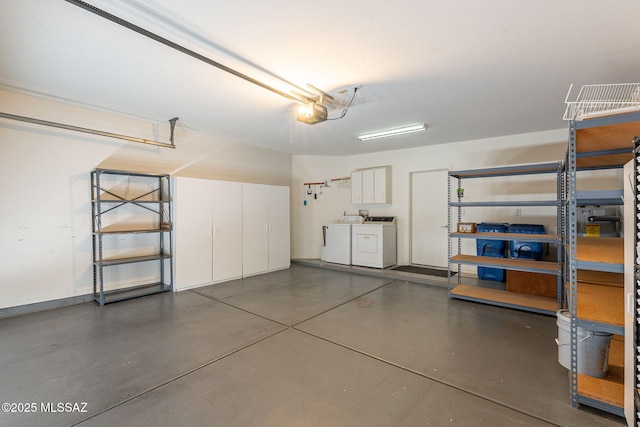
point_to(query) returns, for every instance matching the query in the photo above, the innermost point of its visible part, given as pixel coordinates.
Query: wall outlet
(518, 212)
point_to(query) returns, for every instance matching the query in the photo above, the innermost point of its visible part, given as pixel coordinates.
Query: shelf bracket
(172, 123)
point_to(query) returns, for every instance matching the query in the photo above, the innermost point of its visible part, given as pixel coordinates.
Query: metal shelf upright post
(636, 284)
(632, 287)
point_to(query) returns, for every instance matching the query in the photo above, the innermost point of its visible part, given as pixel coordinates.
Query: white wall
(307, 221)
(45, 210)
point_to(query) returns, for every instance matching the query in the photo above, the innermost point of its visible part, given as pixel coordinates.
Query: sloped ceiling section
(467, 69)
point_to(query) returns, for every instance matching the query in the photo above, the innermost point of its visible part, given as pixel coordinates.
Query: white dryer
(373, 243)
(337, 240)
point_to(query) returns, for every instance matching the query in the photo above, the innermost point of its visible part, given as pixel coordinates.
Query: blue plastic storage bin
(519, 249)
(491, 248)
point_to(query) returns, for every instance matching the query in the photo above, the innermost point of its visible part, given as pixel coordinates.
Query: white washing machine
(337, 240)
(373, 243)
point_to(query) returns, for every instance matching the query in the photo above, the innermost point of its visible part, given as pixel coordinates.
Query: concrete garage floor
(301, 347)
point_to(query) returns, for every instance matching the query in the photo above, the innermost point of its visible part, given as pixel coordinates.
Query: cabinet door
(193, 243)
(279, 229)
(255, 229)
(382, 185)
(356, 187)
(227, 230)
(368, 186)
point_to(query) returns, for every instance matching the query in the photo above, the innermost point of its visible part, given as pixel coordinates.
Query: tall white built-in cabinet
(266, 242)
(228, 230)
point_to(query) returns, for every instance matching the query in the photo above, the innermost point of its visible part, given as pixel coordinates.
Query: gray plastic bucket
(593, 348)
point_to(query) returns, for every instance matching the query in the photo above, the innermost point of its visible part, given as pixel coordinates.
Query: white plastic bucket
(593, 348)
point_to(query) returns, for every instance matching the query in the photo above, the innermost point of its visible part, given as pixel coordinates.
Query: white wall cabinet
(209, 233)
(368, 186)
(266, 231)
(356, 187)
(371, 186)
(382, 185)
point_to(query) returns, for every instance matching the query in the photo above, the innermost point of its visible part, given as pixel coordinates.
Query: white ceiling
(469, 69)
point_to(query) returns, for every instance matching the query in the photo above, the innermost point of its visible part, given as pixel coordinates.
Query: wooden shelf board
(101, 171)
(606, 137)
(603, 138)
(130, 260)
(132, 201)
(505, 297)
(601, 278)
(134, 230)
(521, 264)
(610, 389)
(601, 303)
(551, 238)
(609, 250)
(132, 292)
(612, 160)
(507, 171)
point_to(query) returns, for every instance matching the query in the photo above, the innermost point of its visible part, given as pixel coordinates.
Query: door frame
(436, 168)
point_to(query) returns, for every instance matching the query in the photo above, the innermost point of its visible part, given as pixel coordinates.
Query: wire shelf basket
(603, 100)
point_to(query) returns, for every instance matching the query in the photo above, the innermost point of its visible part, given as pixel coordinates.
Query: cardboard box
(524, 282)
(467, 227)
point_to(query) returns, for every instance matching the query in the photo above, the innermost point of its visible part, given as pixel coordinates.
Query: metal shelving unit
(634, 371)
(598, 143)
(632, 287)
(498, 297)
(131, 220)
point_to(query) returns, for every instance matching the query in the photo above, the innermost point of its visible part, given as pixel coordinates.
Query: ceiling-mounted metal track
(172, 123)
(183, 49)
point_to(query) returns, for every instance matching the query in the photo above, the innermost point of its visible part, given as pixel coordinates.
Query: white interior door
(429, 232)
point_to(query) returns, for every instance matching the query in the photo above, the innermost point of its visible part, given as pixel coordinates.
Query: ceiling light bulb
(303, 109)
(312, 113)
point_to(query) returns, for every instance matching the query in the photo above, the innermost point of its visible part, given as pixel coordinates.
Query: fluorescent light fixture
(392, 132)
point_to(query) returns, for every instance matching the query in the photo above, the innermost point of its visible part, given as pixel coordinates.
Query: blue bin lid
(526, 227)
(491, 226)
